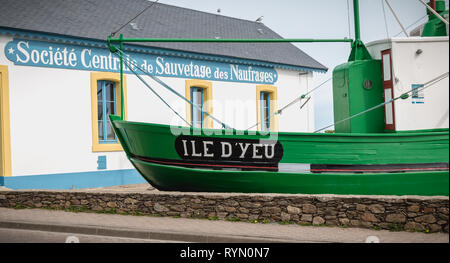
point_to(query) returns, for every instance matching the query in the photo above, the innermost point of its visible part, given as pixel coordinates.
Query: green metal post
(359, 50)
(122, 117)
(356, 18)
(228, 40)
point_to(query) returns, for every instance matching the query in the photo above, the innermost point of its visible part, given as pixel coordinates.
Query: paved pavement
(193, 230)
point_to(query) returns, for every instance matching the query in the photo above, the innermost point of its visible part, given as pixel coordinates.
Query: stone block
(317, 220)
(293, 210)
(430, 219)
(413, 208)
(309, 209)
(376, 209)
(368, 217)
(396, 218)
(306, 218)
(160, 208)
(360, 207)
(285, 216)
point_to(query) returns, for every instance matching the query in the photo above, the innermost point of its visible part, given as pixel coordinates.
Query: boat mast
(356, 18)
(359, 50)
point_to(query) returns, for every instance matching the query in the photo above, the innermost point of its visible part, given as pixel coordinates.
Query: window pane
(100, 131)
(100, 111)
(386, 67)
(99, 90)
(197, 99)
(265, 111)
(110, 131)
(388, 107)
(110, 108)
(109, 90)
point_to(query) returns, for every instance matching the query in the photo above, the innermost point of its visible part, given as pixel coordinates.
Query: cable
(291, 103)
(403, 96)
(411, 25)
(148, 7)
(348, 18)
(396, 18)
(385, 20)
(154, 92)
(162, 83)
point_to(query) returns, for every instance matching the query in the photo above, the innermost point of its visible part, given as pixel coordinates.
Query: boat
(381, 145)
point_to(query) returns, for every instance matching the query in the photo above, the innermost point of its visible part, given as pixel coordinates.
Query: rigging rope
(278, 112)
(411, 25)
(130, 65)
(348, 18)
(396, 18)
(154, 92)
(385, 20)
(148, 7)
(403, 96)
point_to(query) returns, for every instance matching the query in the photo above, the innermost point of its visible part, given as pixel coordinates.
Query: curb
(139, 234)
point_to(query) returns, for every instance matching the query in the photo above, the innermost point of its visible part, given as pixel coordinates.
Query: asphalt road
(33, 236)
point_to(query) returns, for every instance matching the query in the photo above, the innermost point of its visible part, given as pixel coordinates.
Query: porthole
(367, 84)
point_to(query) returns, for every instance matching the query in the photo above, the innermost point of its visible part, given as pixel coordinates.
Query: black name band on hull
(224, 150)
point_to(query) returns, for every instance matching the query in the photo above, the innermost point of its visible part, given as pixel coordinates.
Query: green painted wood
(170, 178)
(435, 27)
(157, 141)
(350, 96)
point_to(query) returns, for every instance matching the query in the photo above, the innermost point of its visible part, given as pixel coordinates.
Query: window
(105, 100)
(197, 115)
(199, 92)
(386, 67)
(388, 107)
(266, 106)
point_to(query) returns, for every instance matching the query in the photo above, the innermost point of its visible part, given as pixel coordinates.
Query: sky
(320, 19)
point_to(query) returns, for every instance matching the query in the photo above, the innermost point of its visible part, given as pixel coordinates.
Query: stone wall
(428, 214)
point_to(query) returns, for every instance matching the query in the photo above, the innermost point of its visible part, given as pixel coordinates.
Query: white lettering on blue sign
(54, 55)
(417, 95)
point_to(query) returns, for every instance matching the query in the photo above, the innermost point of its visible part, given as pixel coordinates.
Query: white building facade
(54, 134)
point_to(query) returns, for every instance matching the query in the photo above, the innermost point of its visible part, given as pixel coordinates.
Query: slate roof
(96, 19)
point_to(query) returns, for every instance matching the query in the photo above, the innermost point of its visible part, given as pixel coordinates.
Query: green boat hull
(151, 148)
(171, 178)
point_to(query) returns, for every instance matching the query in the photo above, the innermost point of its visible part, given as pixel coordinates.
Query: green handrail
(227, 40)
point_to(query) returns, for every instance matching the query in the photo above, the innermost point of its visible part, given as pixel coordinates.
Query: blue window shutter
(101, 162)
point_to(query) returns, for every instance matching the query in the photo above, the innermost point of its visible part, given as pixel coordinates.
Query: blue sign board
(54, 55)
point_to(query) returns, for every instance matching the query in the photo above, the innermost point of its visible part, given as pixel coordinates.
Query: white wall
(410, 68)
(233, 103)
(292, 84)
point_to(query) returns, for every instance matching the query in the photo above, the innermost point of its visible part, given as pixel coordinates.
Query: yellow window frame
(207, 99)
(5, 135)
(273, 96)
(114, 77)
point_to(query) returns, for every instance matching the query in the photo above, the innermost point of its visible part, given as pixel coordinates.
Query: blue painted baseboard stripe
(73, 180)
